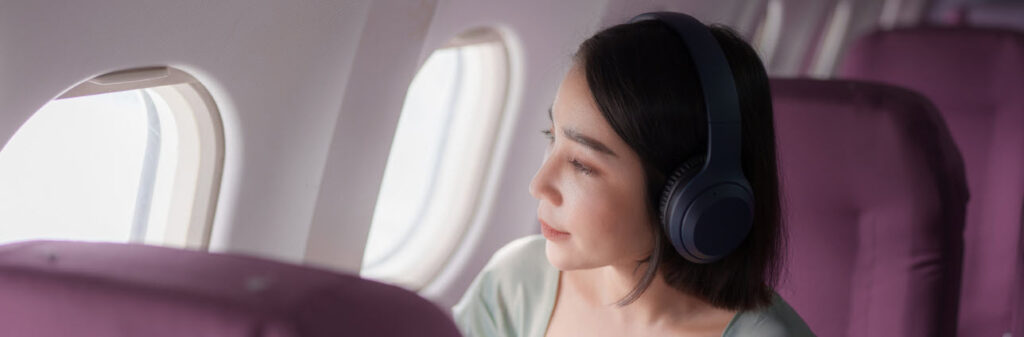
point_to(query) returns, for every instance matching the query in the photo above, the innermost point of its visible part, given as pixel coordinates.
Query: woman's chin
(560, 257)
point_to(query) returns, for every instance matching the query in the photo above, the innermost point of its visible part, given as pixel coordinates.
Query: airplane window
(439, 157)
(108, 163)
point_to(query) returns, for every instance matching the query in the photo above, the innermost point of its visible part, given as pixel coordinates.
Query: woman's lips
(551, 233)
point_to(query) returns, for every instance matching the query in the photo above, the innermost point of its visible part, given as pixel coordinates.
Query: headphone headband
(707, 213)
(715, 75)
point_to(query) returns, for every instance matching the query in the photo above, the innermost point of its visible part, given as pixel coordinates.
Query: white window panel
(438, 162)
(106, 162)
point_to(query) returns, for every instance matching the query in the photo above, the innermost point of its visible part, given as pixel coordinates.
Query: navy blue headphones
(707, 207)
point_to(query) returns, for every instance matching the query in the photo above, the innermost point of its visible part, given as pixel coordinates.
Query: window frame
(195, 114)
(415, 268)
(193, 105)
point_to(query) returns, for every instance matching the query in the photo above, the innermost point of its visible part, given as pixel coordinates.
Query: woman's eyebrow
(587, 141)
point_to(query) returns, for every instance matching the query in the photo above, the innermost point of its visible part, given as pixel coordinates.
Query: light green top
(515, 294)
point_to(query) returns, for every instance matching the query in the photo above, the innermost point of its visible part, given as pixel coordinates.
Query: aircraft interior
(361, 167)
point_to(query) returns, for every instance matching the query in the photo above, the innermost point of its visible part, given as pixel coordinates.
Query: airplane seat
(975, 76)
(60, 288)
(874, 199)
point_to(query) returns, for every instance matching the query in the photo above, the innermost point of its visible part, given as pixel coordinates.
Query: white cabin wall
(386, 60)
(277, 71)
(802, 24)
(708, 12)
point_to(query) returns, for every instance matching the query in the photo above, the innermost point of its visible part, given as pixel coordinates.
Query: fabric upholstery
(873, 200)
(54, 288)
(975, 76)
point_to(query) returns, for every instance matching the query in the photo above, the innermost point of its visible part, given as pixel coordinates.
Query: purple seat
(874, 200)
(52, 288)
(975, 76)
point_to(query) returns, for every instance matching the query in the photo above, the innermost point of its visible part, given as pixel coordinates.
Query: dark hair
(645, 84)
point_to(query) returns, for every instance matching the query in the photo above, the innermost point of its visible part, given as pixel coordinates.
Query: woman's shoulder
(520, 265)
(525, 255)
(778, 319)
(512, 293)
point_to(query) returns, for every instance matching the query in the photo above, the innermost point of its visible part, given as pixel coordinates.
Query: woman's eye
(580, 167)
(547, 134)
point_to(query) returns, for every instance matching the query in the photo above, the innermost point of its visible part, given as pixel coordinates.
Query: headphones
(707, 206)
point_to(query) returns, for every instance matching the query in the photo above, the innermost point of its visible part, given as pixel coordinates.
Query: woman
(630, 112)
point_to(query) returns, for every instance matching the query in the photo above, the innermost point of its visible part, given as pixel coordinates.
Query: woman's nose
(542, 186)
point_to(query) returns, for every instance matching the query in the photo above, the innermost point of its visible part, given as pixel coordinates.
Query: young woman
(629, 112)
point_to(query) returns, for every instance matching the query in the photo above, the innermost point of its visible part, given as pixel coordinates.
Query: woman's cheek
(619, 213)
(597, 210)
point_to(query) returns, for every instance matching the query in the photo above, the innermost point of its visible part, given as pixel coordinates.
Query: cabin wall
(277, 71)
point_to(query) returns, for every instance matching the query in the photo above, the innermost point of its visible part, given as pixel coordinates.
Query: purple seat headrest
(873, 199)
(54, 288)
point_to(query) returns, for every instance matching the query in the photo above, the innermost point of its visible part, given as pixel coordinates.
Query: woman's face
(590, 186)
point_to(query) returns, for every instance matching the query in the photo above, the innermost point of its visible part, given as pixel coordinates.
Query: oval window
(130, 156)
(439, 159)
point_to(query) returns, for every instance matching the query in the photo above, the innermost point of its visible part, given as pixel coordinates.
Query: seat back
(873, 198)
(53, 288)
(975, 76)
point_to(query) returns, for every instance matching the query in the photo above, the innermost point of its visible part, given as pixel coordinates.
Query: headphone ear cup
(679, 178)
